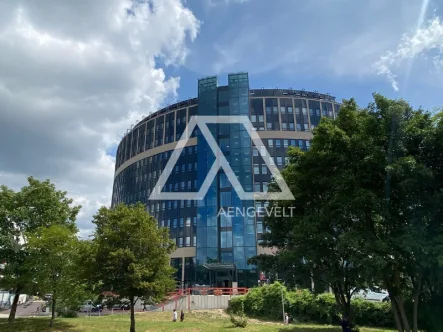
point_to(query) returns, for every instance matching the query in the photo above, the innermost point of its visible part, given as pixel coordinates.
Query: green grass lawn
(197, 321)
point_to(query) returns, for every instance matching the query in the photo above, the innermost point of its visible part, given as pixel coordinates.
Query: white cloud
(419, 44)
(73, 77)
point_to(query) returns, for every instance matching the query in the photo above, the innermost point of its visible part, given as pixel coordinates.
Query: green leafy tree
(53, 252)
(368, 205)
(132, 254)
(36, 205)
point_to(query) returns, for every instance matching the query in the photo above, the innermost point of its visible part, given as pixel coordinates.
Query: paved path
(30, 310)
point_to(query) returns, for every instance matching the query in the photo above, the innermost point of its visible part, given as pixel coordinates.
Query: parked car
(380, 296)
(89, 306)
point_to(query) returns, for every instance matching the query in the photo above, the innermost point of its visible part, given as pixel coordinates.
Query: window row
(186, 241)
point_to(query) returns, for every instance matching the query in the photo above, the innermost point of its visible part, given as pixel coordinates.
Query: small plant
(239, 320)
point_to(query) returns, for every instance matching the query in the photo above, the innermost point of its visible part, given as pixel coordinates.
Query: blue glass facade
(282, 118)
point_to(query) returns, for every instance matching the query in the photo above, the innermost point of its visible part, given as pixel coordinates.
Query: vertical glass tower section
(221, 238)
(240, 159)
(207, 228)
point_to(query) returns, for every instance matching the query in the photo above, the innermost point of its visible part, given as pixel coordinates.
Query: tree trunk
(396, 315)
(415, 314)
(416, 301)
(401, 310)
(132, 329)
(51, 322)
(11, 318)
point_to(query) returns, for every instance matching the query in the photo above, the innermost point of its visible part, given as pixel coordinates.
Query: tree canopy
(368, 205)
(132, 254)
(37, 205)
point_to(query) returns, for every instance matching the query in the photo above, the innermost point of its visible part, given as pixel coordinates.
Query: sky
(74, 75)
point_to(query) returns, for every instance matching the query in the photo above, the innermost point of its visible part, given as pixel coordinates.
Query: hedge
(303, 306)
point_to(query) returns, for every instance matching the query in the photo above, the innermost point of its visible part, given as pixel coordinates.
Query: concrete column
(146, 134)
(183, 272)
(164, 128)
(175, 125)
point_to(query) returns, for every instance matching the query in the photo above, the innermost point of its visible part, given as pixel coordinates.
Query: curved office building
(212, 248)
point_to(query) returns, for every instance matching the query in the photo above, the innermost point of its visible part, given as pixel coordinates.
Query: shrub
(240, 320)
(303, 306)
(67, 313)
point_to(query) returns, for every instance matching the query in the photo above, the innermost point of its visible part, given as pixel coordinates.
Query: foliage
(132, 254)
(239, 319)
(53, 252)
(304, 306)
(368, 207)
(36, 205)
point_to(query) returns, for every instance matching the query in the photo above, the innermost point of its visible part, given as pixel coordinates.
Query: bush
(241, 320)
(67, 313)
(303, 306)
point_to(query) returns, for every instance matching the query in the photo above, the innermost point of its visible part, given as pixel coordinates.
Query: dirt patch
(210, 314)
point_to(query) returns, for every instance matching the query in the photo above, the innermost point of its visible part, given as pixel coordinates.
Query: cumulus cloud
(73, 77)
(425, 40)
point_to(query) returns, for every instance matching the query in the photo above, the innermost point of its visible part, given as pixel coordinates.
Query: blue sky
(329, 46)
(75, 75)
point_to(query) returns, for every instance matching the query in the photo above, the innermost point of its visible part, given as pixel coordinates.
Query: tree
(132, 254)
(37, 205)
(53, 252)
(319, 239)
(368, 208)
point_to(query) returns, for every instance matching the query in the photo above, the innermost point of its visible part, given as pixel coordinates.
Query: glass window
(277, 143)
(265, 186)
(264, 169)
(290, 109)
(291, 126)
(224, 144)
(260, 118)
(224, 182)
(225, 198)
(282, 109)
(284, 126)
(181, 222)
(253, 118)
(174, 223)
(194, 221)
(256, 169)
(285, 143)
(226, 239)
(257, 187)
(259, 228)
(269, 125)
(187, 241)
(194, 241)
(275, 109)
(268, 110)
(279, 161)
(255, 152)
(180, 242)
(270, 142)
